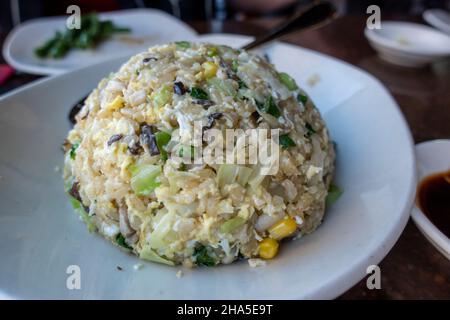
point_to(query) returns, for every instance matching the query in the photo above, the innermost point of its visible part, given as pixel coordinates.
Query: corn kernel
(268, 248)
(116, 104)
(210, 69)
(283, 228)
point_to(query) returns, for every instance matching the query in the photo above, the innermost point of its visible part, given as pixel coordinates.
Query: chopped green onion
(334, 192)
(270, 107)
(287, 81)
(73, 151)
(162, 138)
(232, 224)
(198, 93)
(202, 257)
(302, 98)
(120, 240)
(310, 130)
(286, 141)
(183, 45)
(148, 254)
(144, 179)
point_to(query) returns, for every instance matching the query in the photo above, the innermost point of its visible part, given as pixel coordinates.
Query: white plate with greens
(41, 235)
(147, 27)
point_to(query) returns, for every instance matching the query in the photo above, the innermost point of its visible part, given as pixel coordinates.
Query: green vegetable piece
(162, 96)
(242, 84)
(78, 207)
(302, 98)
(144, 179)
(212, 52)
(186, 151)
(73, 151)
(162, 138)
(234, 65)
(232, 224)
(224, 86)
(286, 141)
(202, 257)
(287, 81)
(198, 93)
(120, 240)
(269, 107)
(334, 192)
(148, 254)
(183, 45)
(230, 173)
(310, 130)
(92, 31)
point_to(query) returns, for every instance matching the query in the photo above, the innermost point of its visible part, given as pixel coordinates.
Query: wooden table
(413, 269)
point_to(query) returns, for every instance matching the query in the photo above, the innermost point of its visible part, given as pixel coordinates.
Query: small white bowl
(432, 157)
(408, 44)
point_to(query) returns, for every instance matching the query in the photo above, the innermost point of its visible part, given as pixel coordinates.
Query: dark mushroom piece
(76, 109)
(148, 139)
(204, 103)
(179, 88)
(114, 138)
(135, 148)
(211, 120)
(148, 59)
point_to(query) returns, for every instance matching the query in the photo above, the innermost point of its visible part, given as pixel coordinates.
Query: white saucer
(408, 44)
(432, 157)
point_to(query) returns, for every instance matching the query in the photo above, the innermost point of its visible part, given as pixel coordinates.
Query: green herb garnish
(286, 141)
(198, 93)
(242, 84)
(269, 107)
(302, 98)
(73, 151)
(120, 240)
(203, 258)
(334, 192)
(310, 130)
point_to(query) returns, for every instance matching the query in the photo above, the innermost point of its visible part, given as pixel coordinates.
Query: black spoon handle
(314, 15)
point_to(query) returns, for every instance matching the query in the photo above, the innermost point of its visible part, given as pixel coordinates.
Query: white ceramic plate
(148, 27)
(432, 157)
(40, 234)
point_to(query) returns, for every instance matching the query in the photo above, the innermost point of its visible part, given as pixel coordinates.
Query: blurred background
(13, 12)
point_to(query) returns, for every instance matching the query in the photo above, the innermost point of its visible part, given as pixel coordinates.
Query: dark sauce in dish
(433, 197)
